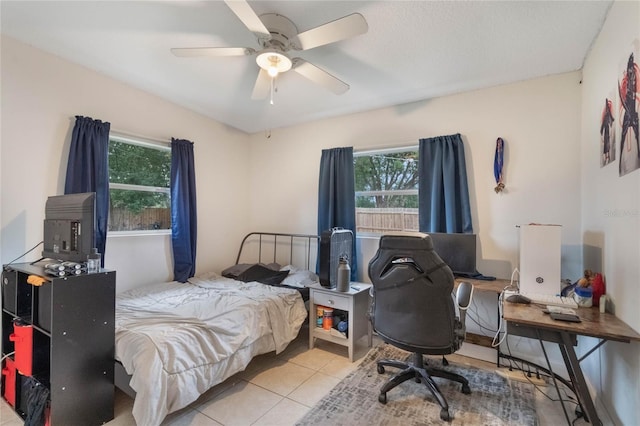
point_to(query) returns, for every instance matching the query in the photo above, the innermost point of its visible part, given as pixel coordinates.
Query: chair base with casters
(417, 370)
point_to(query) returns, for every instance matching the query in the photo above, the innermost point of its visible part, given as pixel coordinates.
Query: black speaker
(9, 290)
(334, 244)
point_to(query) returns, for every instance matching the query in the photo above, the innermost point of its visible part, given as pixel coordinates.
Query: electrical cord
(511, 286)
(497, 340)
(5, 356)
(29, 251)
(481, 322)
(513, 364)
(482, 327)
(471, 310)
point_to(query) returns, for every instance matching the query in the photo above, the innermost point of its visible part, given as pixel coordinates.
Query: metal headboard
(300, 242)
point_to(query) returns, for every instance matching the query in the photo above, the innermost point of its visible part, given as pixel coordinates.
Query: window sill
(120, 234)
(377, 235)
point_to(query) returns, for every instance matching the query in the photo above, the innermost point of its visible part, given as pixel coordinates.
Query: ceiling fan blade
(263, 85)
(340, 29)
(319, 76)
(212, 51)
(249, 18)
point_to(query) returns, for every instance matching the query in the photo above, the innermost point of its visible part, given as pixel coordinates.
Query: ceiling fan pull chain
(273, 79)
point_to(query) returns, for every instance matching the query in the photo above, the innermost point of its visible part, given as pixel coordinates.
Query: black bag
(37, 398)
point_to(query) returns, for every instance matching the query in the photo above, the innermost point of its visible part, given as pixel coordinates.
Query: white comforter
(178, 340)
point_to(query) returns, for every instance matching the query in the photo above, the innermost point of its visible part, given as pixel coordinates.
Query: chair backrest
(413, 307)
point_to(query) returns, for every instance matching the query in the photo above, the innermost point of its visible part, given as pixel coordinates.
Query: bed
(174, 341)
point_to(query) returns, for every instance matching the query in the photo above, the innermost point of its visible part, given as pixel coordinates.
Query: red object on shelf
(9, 388)
(22, 338)
(599, 288)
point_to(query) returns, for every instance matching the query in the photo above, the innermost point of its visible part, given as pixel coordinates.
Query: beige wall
(41, 94)
(540, 123)
(610, 207)
(538, 119)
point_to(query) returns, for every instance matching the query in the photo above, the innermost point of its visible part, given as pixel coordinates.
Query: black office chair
(413, 309)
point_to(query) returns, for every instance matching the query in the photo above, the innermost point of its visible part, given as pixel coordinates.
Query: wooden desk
(484, 286)
(530, 321)
(594, 324)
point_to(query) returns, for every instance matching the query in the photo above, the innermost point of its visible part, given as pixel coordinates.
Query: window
(386, 183)
(139, 185)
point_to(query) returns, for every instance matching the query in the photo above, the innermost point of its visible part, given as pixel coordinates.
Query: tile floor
(279, 390)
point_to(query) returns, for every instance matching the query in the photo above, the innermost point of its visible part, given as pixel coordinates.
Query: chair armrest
(464, 295)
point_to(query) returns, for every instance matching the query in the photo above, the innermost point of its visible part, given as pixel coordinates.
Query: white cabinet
(355, 303)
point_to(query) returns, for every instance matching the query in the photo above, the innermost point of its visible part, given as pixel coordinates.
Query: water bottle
(344, 275)
(93, 261)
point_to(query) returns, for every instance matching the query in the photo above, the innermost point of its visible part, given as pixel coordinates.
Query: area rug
(494, 400)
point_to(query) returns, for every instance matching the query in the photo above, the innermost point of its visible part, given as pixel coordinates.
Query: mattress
(177, 340)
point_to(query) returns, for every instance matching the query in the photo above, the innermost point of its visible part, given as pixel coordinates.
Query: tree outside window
(386, 183)
(139, 185)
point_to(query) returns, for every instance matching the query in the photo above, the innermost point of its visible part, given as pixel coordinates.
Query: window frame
(391, 150)
(146, 143)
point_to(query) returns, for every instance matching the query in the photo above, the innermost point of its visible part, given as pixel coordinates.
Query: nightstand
(355, 303)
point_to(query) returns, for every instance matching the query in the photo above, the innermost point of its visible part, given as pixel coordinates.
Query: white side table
(355, 303)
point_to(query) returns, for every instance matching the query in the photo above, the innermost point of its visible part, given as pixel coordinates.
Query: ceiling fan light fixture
(273, 62)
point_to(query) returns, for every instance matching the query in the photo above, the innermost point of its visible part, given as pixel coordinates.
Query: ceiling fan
(277, 36)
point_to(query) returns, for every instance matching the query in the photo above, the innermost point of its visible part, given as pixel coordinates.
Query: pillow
(290, 268)
(263, 275)
(299, 277)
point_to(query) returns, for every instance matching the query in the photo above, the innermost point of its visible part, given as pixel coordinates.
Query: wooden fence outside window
(147, 219)
(386, 220)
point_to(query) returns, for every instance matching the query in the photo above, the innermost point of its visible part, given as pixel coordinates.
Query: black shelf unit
(73, 322)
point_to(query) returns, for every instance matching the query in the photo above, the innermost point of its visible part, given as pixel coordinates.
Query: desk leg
(577, 378)
(554, 376)
(312, 323)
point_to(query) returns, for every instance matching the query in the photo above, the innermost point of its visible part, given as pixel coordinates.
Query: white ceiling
(413, 50)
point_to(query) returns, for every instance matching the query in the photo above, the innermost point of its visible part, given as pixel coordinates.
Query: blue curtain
(88, 170)
(443, 194)
(184, 228)
(337, 196)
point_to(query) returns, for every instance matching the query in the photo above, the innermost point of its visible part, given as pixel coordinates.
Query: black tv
(458, 251)
(70, 227)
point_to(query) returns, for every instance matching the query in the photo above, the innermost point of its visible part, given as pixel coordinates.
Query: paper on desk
(560, 310)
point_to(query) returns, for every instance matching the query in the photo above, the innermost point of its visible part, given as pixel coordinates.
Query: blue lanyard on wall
(497, 165)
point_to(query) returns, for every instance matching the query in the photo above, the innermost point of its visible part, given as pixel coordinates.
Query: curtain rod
(138, 138)
(406, 146)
